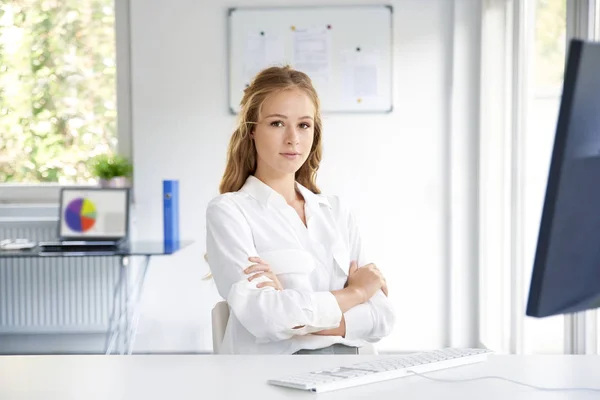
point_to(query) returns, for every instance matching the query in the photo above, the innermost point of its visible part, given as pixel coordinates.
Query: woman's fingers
(257, 268)
(257, 260)
(374, 270)
(274, 281)
(272, 284)
(379, 274)
(353, 267)
(267, 274)
(384, 286)
(255, 276)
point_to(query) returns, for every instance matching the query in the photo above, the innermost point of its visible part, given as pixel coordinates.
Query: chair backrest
(220, 316)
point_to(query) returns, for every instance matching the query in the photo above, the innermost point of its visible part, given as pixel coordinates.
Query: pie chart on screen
(80, 215)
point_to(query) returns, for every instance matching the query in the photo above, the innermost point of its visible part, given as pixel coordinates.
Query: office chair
(220, 316)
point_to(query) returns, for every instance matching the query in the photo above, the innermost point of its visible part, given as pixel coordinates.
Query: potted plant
(112, 170)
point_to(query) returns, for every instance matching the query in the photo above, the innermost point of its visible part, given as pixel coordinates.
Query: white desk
(200, 377)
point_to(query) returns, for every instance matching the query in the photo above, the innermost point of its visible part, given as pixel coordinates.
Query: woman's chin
(290, 168)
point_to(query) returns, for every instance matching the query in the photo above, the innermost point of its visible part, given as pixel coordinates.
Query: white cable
(505, 379)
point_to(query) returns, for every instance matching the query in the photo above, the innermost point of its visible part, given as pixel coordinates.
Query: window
(548, 60)
(57, 89)
(524, 46)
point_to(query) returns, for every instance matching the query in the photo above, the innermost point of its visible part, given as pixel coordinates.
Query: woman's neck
(285, 185)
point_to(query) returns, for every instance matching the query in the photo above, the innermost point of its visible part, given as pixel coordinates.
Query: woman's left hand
(354, 268)
(261, 268)
(384, 287)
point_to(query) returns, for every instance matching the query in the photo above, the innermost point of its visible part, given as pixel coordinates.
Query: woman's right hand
(261, 268)
(366, 280)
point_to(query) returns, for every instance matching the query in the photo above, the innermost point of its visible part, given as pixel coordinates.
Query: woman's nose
(292, 136)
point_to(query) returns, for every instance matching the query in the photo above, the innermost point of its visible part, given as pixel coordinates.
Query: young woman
(289, 260)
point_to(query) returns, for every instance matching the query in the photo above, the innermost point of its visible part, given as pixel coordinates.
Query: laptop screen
(94, 213)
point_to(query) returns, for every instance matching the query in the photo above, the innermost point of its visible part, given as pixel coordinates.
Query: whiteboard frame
(231, 10)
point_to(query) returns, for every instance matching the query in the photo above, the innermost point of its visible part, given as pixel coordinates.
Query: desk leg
(120, 294)
(124, 303)
(114, 323)
(125, 328)
(136, 307)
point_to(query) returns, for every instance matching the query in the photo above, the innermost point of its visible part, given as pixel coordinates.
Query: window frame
(596, 16)
(27, 193)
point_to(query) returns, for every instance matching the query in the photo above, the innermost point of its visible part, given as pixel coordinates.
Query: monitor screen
(94, 213)
(566, 271)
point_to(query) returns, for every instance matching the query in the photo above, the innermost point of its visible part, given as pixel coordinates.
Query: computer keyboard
(381, 369)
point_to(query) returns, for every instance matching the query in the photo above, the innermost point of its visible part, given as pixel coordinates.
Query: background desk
(124, 314)
(157, 377)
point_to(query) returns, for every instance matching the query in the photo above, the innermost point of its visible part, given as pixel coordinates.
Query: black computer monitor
(566, 271)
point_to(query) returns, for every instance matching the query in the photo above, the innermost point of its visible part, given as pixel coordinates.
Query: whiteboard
(345, 50)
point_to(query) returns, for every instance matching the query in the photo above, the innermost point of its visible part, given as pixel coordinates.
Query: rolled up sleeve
(370, 321)
(268, 314)
(374, 319)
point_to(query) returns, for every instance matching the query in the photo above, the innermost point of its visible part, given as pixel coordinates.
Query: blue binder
(171, 213)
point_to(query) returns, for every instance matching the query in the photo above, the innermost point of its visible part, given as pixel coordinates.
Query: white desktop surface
(201, 377)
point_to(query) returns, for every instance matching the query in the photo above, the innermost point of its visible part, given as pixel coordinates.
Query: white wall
(392, 168)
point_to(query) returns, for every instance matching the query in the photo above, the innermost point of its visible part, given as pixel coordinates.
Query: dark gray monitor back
(566, 272)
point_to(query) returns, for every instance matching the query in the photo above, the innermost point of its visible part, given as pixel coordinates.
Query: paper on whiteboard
(360, 71)
(312, 55)
(262, 51)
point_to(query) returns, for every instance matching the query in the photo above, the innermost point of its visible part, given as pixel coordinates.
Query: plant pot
(116, 182)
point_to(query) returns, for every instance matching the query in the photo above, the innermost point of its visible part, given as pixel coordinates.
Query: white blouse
(310, 261)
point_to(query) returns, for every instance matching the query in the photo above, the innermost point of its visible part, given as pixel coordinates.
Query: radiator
(53, 295)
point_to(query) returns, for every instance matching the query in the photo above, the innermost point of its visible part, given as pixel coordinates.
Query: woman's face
(284, 133)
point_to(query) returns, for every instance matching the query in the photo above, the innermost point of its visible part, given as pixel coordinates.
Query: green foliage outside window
(550, 42)
(57, 89)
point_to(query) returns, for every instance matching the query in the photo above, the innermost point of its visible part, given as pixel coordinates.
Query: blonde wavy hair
(241, 153)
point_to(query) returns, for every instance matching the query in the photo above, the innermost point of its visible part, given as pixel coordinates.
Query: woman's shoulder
(342, 211)
(225, 201)
(337, 204)
(333, 200)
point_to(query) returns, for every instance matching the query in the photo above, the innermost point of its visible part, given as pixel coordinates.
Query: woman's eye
(304, 125)
(277, 123)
